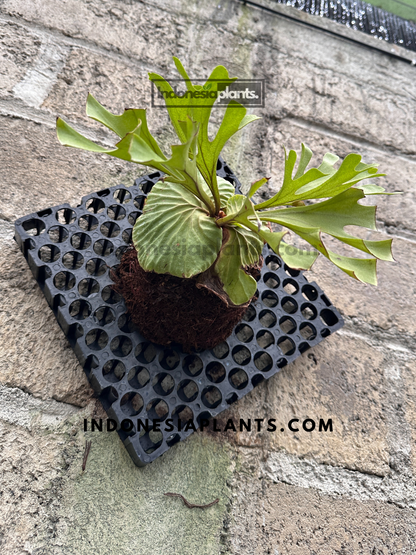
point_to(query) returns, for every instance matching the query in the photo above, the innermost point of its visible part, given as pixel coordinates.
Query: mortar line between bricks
(84, 44)
(38, 399)
(336, 134)
(326, 26)
(281, 466)
(396, 232)
(164, 8)
(8, 109)
(297, 17)
(373, 339)
(22, 408)
(55, 34)
(15, 108)
(189, 18)
(399, 433)
(40, 78)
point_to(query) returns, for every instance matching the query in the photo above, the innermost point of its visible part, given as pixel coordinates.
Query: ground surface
(351, 491)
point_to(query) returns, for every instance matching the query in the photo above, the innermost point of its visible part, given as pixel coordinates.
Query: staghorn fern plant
(194, 224)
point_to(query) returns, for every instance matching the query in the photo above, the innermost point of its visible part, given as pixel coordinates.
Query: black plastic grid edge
(69, 251)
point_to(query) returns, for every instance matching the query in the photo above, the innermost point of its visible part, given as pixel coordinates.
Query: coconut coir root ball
(167, 309)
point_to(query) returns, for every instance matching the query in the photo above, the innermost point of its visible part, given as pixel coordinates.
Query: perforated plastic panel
(70, 251)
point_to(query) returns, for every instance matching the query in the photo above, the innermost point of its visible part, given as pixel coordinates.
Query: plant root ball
(167, 309)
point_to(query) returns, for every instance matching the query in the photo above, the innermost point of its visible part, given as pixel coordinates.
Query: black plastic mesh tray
(70, 251)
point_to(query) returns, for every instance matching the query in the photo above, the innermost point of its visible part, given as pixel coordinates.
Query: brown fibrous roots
(167, 309)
